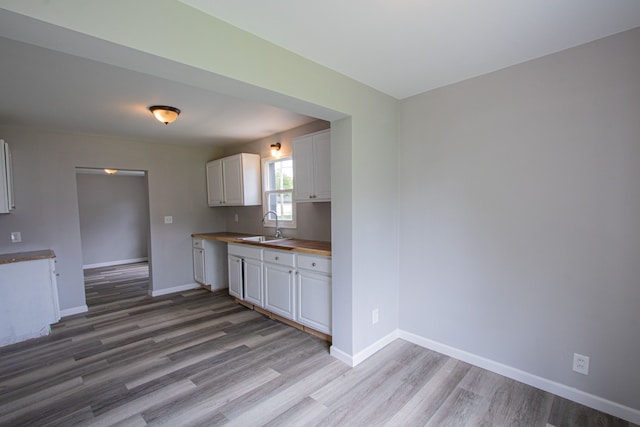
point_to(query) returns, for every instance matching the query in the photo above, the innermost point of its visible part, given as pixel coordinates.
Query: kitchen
(297, 245)
(409, 209)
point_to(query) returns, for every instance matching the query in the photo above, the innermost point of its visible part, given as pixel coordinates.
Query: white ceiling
(50, 89)
(406, 47)
(54, 78)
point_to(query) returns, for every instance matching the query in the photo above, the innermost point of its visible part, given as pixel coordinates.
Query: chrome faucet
(278, 232)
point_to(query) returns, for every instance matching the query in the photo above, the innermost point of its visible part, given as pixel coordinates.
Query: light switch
(16, 237)
(168, 220)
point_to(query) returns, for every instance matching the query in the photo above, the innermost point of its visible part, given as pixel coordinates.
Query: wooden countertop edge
(26, 256)
(281, 244)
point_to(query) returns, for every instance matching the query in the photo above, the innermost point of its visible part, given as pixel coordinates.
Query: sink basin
(261, 238)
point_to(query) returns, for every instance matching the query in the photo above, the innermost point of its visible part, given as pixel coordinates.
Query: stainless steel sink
(261, 238)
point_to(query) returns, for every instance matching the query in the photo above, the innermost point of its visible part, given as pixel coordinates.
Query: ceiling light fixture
(110, 171)
(275, 149)
(164, 113)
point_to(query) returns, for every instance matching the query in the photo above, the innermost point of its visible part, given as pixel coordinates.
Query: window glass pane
(282, 203)
(280, 175)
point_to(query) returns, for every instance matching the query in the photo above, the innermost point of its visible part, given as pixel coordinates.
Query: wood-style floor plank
(196, 358)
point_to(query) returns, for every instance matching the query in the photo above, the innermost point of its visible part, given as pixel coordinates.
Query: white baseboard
(119, 262)
(364, 354)
(74, 310)
(181, 288)
(573, 394)
(341, 355)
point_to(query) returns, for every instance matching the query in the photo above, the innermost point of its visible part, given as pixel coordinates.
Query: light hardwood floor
(198, 359)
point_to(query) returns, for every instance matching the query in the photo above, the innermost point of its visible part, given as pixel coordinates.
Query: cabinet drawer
(279, 257)
(198, 243)
(317, 263)
(246, 251)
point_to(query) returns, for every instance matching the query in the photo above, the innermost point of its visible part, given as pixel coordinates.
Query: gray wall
(520, 216)
(47, 200)
(114, 217)
(313, 219)
(364, 153)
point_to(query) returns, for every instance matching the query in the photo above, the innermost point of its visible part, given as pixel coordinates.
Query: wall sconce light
(275, 149)
(110, 171)
(164, 113)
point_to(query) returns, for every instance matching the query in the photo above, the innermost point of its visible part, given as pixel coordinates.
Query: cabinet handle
(313, 264)
(277, 258)
(290, 271)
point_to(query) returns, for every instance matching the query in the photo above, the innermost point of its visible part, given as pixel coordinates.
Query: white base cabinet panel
(209, 265)
(28, 300)
(235, 276)
(279, 288)
(253, 282)
(314, 300)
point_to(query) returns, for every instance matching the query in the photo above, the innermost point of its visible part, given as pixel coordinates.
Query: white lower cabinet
(245, 273)
(253, 282)
(279, 285)
(313, 288)
(198, 265)
(292, 285)
(235, 276)
(209, 267)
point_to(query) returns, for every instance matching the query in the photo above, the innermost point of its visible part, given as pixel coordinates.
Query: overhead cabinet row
(236, 180)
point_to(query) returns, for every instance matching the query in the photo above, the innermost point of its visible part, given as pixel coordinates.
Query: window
(277, 185)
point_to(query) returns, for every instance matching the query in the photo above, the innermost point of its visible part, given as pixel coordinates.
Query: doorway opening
(113, 208)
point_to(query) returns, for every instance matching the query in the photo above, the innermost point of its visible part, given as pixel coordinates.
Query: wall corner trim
(361, 356)
(562, 390)
(174, 289)
(74, 310)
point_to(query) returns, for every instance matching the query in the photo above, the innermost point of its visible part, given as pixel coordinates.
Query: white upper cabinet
(234, 181)
(312, 167)
(6, 179)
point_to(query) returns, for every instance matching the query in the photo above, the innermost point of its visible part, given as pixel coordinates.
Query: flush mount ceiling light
(275, 149)
(164, 113)
(110, 171)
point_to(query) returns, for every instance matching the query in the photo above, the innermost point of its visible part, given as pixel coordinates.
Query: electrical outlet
(581, 363)
(168, 220)
(236, 217)
(16, 237)
(374, 316)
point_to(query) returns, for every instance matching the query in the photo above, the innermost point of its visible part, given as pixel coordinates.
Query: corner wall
(47, 201)
(520, 217)
(210, 54)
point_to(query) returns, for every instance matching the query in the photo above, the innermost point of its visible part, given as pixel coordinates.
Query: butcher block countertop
(314, 247)
(26, 256)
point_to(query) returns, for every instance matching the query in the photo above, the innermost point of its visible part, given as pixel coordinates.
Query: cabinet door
(235, 276)
(232, 178)
(314, 300)
(279, 290)
(215, 187)
(6, 178)
(322, 166)
(253, 282)
(198, 266)
(303, 168)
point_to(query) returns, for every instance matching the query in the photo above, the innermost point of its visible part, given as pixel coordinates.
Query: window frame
(270, 220)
